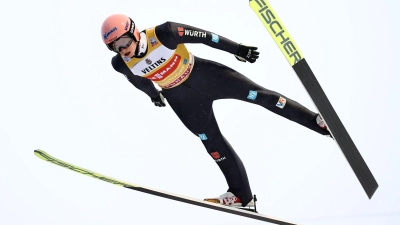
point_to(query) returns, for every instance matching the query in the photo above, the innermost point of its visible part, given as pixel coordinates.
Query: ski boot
(321, 123)
(229, 199)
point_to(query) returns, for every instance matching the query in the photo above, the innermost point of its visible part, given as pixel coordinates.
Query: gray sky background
(59, 93)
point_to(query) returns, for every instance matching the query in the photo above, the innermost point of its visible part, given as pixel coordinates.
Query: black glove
(159, 100)
(247, 53)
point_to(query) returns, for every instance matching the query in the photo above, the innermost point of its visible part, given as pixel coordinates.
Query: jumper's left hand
(159, 100)
(247, 53)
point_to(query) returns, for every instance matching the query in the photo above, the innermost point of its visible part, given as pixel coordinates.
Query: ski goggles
(122, 42)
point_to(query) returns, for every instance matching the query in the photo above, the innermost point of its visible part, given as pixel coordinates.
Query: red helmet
(116, 26)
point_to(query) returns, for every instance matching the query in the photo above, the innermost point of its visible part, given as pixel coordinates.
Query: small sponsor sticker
(214, 38)
(252, 95)
(203, 137)
(153, 41)
(281, 102)
(217, 157)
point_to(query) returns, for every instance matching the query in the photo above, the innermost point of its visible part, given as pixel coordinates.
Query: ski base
(246, 209)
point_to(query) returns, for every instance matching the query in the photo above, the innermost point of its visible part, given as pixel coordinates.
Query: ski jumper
(191, 84)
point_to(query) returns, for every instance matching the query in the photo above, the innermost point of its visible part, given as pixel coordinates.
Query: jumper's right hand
(247, 53)
(159, 100)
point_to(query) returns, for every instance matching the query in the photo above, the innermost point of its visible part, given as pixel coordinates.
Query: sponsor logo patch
(217, 157)
(153, 41)
(203, 137)
(107, 34)
(193, 33)
(281, 102)
(252, 95)
(214, 38)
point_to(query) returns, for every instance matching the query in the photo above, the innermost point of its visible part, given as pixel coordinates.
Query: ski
(240, 212)
(295, 58)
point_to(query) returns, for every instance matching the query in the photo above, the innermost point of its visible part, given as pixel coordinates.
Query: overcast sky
(59, 93)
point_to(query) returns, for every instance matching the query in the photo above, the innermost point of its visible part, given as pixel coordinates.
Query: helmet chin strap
(137, 48)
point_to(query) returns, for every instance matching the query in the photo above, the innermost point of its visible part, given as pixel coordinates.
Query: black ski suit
(192, 101)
